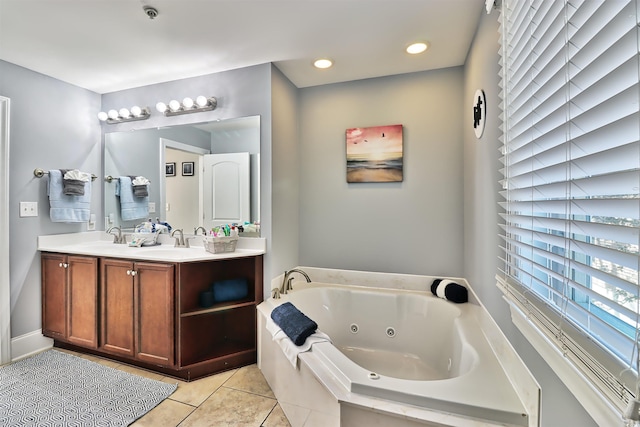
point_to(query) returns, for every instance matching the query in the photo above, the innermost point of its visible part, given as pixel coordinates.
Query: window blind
(571, 153)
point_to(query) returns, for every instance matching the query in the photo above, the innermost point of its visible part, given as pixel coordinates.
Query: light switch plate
(91, 225)
(28, 209)
(152, 207)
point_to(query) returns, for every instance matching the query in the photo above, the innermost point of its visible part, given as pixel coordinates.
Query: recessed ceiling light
(416, 48)
(322, 63)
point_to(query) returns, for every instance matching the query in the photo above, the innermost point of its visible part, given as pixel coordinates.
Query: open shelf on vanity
(197, 277)
(224, 306)
(217, 334)
(222, 336)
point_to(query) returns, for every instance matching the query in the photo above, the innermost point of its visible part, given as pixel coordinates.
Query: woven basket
(218, 245)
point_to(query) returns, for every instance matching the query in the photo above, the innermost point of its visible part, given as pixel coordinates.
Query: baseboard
(28, 344)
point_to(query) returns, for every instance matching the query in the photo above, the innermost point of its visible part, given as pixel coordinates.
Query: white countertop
(99, 243)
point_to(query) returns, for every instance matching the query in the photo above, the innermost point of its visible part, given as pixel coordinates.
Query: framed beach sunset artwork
(374, 154)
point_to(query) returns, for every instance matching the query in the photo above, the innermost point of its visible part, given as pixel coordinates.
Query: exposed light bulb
(174, 105)
(416, 48)
(322, 63)
(102, 116)
(202, 101)
(161, 107)
(113, 114)
(187, 102)
(136, 111)
(124, 113)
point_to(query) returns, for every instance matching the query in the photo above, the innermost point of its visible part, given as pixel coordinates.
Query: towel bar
(110, 178)
(40, 173)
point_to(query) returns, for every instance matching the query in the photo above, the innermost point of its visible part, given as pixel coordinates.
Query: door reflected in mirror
(203, 174)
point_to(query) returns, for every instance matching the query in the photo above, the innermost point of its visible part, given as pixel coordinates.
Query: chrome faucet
(181, 241)
(196, 229)
(286, 282)
(117, 238)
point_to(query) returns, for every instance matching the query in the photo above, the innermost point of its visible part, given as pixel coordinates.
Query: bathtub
(405, 347)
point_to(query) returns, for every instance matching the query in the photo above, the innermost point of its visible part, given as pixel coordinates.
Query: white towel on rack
(67, 208)
(140, 180)
(78, 175)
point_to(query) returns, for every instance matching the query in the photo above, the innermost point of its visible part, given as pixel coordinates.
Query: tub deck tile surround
(523, 383)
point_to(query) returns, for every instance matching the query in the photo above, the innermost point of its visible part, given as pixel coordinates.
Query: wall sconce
(124, 115)
(188, 105)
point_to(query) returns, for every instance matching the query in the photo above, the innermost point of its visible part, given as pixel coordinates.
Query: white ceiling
(110, 45)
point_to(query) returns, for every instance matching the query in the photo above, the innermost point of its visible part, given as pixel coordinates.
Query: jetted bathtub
(407, 347)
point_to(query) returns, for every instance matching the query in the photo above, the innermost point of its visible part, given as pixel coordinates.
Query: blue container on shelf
(206, 299)
(230, 290)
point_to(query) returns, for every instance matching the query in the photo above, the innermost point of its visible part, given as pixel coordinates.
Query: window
(571, 154)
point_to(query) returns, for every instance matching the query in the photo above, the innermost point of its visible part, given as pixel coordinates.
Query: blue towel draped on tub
(131, 207)
(67, 208)
(293, 322)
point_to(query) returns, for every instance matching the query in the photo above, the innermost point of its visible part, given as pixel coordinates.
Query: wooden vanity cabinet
(147, 313)
(70, 298)
(137, 315)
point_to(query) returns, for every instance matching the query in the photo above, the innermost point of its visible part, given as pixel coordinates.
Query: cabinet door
(117, 309)
(155, 313)
(82, 301)
(54, 299)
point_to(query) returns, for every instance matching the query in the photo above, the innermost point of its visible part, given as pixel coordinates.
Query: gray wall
(481, 175)
(414, 226)
(53, 126)
(240, 93)
(286, 169)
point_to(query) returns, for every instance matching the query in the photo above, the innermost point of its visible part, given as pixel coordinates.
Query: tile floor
(237, 398)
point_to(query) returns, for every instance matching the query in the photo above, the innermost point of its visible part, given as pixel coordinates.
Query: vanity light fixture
(174, 108)
(124, 115)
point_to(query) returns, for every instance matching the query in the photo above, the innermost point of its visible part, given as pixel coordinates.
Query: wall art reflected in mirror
(201, 175)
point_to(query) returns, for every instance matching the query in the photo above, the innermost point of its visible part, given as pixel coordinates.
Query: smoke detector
(151, 11)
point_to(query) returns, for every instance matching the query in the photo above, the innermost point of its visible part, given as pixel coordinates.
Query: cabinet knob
(133, 272)
(128, 272)
(63, 265)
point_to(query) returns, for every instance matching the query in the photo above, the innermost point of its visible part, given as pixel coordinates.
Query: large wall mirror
(203, 174)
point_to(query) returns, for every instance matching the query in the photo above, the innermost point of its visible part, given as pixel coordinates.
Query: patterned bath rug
(58, 389)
